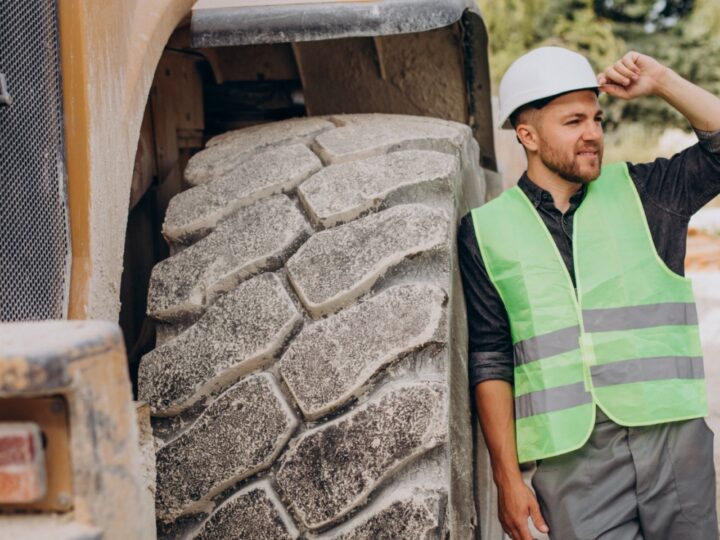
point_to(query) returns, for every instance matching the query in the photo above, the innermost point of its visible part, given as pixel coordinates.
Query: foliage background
(682, 34)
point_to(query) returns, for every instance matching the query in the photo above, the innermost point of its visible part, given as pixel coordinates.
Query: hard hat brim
(506, 124)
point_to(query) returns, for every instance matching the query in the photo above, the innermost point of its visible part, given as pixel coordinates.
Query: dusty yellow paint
(109, 53)
(15, 373)
(84, 364)
(74, 77)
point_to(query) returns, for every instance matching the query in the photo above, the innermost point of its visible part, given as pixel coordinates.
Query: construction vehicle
(263, 194)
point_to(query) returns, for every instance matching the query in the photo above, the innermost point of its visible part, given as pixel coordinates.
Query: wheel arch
(109, 55)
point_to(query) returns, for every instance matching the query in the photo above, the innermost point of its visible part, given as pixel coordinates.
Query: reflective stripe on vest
(552, 399)
(627, 340)
(537, 347)
(607, 320)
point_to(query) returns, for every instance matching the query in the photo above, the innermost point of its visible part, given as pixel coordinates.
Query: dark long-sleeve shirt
(671, 191)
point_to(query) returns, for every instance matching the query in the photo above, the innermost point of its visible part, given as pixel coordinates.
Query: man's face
(570, 141)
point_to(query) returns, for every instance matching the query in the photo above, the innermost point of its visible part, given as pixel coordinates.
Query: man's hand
(494, 399)
(634, 75)
(515, 503)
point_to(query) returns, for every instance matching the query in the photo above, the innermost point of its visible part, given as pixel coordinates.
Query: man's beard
(570, 170)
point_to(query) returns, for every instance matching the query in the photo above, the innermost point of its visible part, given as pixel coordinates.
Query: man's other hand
(634, 75)
(516, 503)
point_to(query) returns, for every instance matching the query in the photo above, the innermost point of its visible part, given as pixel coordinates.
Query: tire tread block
(331, 360)
(405, 515)
(329, 471)
(340, 193)
(196, 211)
(238, 334)
(257, 237)
(225, 151)
(254, 512)
(336, 266)
(381, 134)
(240, 434)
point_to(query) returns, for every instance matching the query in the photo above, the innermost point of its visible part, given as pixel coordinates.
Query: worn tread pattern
(298, 411)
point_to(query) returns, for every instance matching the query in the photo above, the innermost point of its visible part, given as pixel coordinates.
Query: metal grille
(34, 242)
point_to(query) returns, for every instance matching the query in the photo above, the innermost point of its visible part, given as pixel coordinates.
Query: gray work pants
(652, 483)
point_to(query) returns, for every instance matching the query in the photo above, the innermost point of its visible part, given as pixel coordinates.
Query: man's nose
(593, 131)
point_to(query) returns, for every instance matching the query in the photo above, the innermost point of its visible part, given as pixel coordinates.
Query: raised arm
(636, 75)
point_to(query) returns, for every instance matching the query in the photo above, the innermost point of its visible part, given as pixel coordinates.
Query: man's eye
(570, 122)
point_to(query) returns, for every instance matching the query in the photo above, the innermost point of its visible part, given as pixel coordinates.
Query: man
(584, 345)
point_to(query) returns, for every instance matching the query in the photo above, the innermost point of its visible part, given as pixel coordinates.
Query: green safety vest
(627, 340)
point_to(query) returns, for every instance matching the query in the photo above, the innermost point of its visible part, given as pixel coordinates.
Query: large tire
(310, 372)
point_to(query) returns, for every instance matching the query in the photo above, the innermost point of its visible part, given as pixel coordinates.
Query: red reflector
(22, 464)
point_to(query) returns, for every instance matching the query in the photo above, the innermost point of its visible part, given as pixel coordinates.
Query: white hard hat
(542, 73)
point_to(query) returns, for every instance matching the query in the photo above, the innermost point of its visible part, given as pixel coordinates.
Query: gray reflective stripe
(648, 369)
(626, 318)
(552, 399)
(538, 347)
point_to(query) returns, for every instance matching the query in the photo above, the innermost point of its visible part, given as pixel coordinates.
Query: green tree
(651, 13)
(682, 34)
(517, 26)
(688, 41)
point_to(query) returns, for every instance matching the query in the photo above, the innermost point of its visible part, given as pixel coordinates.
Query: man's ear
(527, 135)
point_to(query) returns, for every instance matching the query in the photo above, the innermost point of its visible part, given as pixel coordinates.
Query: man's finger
(537, 518)
(523, 532)
(632, 57)
(622, 69)
(629, 63)
(614, 90)
(519, 528)
(517, 534)
(612, 74)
